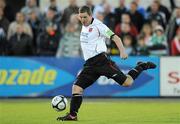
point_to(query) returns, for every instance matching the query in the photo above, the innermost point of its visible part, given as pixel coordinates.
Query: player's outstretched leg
(127, 80)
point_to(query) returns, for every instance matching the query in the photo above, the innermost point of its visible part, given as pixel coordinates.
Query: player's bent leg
(113, 71)
(141, 66)
(147, 65)
(128, 82)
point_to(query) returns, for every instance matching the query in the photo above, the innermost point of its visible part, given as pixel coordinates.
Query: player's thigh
(111, 70)
(86, 78)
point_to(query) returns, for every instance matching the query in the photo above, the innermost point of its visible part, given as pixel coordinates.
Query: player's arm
(105, 31)
(120, 46)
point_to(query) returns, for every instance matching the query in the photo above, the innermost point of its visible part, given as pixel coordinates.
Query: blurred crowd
(150, 31)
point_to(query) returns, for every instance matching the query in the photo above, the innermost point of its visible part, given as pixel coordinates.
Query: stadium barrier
(46, 77)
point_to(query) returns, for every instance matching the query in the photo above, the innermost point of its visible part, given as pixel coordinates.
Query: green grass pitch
(93, 111)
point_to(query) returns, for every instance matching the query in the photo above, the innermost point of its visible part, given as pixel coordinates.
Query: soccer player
(93, 35)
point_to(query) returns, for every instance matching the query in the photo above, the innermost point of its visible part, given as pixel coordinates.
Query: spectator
(71, 9)
(50, 20)
(140, 9)
(20, 20)
(174, 23)
(127, 41)
(100, 16)
(90, 4)
(70, 44)
(142, 48)
(136, 17)
(2, 4)
(126, 19)
(48, 39)
(154, 24)
(125, 30)
(20, 43)
(31, 5)
(163, 9)
(156, 14)
(158, 42)
(4, 23)
(8, 11)
(109, 17)
(53, 5)
(119, 11)
(147, 33)
(175, 44)
(47, 42)
(34, 22)
(99, 8)
(3, 42)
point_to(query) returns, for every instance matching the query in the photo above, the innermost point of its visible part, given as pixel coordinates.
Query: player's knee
(77, 89)
(128, 82)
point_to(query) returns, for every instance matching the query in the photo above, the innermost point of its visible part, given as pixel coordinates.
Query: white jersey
(93, 38)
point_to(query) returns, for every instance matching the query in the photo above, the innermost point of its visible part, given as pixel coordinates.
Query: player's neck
(90, 21)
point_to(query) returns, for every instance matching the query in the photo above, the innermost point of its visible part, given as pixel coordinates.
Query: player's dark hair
(85, 9)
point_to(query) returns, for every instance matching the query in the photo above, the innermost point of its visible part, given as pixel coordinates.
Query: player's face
(85, 18)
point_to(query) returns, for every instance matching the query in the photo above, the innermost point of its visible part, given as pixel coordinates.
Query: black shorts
(100, 65)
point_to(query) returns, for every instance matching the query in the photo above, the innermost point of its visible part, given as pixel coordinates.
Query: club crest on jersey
(90, 29)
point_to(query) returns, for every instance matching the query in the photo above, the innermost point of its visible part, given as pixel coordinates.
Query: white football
(59, 103)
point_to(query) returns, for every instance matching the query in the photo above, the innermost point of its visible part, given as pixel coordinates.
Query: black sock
(76, 101)
(134, 73)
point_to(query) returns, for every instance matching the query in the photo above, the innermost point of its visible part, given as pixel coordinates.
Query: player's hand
(123, 55)
(77, 16)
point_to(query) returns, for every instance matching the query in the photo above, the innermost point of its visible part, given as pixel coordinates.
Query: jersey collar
(92, 20)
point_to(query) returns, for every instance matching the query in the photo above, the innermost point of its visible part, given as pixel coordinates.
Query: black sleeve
(112, 36)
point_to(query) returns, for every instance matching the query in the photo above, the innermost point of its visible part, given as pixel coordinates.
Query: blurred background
(40, 52)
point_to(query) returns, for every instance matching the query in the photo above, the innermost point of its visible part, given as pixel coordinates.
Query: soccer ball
(59, 103)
